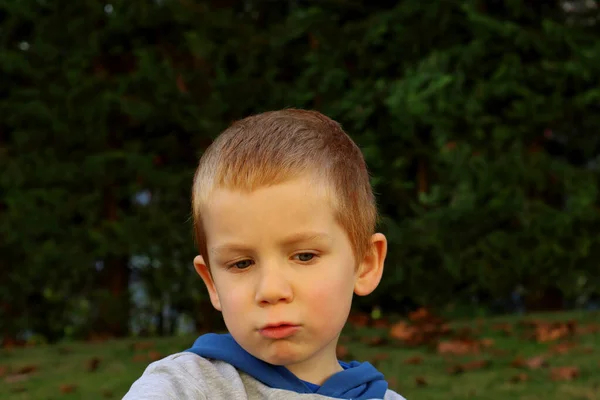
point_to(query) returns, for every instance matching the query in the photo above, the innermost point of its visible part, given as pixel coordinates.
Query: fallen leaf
(470, 366)
(419, 315)
(181, 84)
(531, 363)
(27, 369)
(381, 323)
(587, 329)
(373, 340)
(522, 377)
(342, 352)
(458, 347)
(498, 352)
(64, 350)
(402, 331)
(563, 348)
(154, 355)
(359, 320)
(450, 145)
(564, 373)
(92, 364)
(139, 358)
(587, 350)
(16, 378)
(475, 365)
(138, 346)
(546, 332)
(455, 370)
(4, 371)
(380, 357)
(67, 388)
(505, 328)
(413, 360)
(420, 381)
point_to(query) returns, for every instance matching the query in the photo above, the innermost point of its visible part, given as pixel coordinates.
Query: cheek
(233, 298)
(331, 299)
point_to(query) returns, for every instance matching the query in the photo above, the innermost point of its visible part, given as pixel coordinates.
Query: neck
(317, 369)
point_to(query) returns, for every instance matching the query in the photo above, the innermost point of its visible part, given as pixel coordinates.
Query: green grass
(67, 364)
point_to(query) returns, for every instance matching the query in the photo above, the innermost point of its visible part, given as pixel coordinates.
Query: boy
(284, 219)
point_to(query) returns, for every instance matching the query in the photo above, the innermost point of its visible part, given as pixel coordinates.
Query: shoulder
(391, 395)
(188, 376)
(180, 375)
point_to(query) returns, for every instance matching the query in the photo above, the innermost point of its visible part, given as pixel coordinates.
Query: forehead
(297, 205)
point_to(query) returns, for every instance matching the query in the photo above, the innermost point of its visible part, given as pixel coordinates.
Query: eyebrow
(304, 237)
(296, 238)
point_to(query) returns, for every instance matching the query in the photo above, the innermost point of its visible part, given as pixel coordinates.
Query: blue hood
(359, 381)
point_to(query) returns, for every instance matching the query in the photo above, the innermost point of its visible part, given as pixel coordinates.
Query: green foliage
(478, 120)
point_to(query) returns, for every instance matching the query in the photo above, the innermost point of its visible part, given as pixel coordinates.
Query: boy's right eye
(243, 264)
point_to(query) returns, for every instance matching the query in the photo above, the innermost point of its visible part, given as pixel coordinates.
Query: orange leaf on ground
(373, 340)
(458, 347)
(531, 363)
(564, 373)
(413, 360)
(507, 329)
(27, 369)
(92, 364)
(67, 388)
(552, 332)
(3, 371)
(420, 381)
(345, 339)
(587, 350)
(402, 331)
(563, 348)
(470, 366)
(498, 352)
(381, 323)
(154, 355)
(522, 377)
(359, 320)
(419, 315)
(342, 352)
(381, 356)
(139, 358)
(16, 378)
(587, 329)
(181, 84)
(143, 345)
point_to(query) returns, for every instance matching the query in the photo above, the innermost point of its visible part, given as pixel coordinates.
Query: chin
(280, 355)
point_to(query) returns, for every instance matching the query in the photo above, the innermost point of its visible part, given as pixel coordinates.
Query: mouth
(279, 330)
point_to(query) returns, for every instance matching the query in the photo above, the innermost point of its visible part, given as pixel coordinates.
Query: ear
(368, 274)
(204, 272)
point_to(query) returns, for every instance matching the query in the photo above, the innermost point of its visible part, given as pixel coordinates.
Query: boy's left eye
(304, 257)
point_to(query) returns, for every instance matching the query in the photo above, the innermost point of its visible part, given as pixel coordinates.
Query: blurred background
(479, 120)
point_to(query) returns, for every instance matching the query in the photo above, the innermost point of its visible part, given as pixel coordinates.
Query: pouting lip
(278, 324)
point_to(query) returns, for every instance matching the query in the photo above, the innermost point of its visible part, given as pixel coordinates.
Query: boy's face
(283, 273)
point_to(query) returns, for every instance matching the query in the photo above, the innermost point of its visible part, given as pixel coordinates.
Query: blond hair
(276, 146)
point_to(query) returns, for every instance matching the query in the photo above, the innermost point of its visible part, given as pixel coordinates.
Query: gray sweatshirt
(186, 375)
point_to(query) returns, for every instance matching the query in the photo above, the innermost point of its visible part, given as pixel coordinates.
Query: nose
(273, 287)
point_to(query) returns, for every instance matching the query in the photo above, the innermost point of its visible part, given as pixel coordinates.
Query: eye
(243, 264)
(305, 257)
